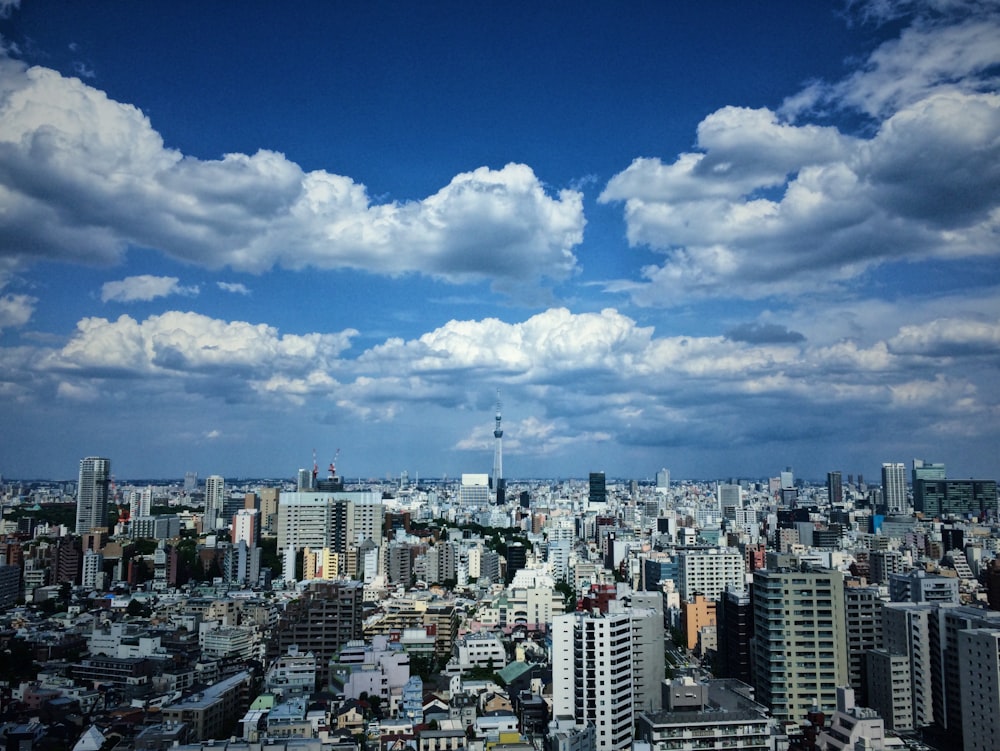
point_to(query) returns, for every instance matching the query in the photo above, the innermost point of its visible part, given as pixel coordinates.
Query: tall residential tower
(92, 494)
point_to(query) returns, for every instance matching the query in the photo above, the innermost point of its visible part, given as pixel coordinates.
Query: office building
(800, 642)
(92, 494)
(663, 480)
(937, 498)
(592, 663)
(734, 630)
(215, 500)
(947, 666)
(924, 471)
(474, 492)
(834, 488)
(894, 488)
(597, 490)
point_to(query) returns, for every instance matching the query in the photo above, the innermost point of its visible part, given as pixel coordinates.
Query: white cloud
(144, 287)
(61, 140)
(237, 288)
(7, 7)
(929, 180)
(16, 310)
(185, 344)
(949, 337)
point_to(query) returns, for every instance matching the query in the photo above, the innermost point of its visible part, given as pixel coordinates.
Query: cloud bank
(84, 177)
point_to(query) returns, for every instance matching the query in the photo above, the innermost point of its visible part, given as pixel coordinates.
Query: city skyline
(717, 243)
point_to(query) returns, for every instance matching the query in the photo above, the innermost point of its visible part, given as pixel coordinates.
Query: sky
(722, 238)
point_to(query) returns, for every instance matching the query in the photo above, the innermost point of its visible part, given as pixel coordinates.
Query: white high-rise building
(215, 499)
(592, 663)
(894, 487)
(709, 572)
(663, 480)
(93, 567)
(474, 490)
(92, 494)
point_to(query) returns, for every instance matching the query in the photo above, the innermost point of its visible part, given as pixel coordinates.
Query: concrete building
(894, 488)
(800, 641)
(215, 500)
(979, 669)
(592, 666)
(717, 714)
(213, 712)
(852, 727)
(92, 494)
(709, 572)
(863, 618)
(919, 586)
(889, 688)
(906, 630)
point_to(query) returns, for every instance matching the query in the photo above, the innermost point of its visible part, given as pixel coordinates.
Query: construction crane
(315, 469)
(333, 464)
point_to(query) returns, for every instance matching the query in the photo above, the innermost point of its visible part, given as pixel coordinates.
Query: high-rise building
(834, 488)
(92, 494)
(709, 572)
(889, 688)
(800, 642)
(321, 621)
(215, 499)
(474, 491)
(592, 664)
(906, 630)
(318, 520)
(894, 487)
(979, 661)
(663, 480)
(955, 497)
(598, 490)
(734, 624)
(863, 617)
(269, 499)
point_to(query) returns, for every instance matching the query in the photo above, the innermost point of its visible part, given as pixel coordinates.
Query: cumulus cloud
(949, 337)
(179, 343)
(16, 310)
(772, 205)
(144, 287)
(83, 177)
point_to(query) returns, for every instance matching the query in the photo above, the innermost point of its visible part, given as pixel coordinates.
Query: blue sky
(720, 238)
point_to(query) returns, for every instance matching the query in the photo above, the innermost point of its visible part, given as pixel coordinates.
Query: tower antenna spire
(498, 482)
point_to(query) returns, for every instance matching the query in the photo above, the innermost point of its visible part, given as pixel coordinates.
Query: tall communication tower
(498, 482)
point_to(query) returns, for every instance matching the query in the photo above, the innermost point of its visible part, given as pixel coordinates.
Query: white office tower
(730, 498)
(663, 481)
(474, 491)
(894, 487)
(215, 499)
(709, 572)
(92, 494)
(592, 675)
(979, 666)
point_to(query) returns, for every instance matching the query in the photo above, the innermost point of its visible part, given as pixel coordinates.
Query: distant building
(894, 487)
(598, 490)
(215, 499)
(92, 494)
(834, 488)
